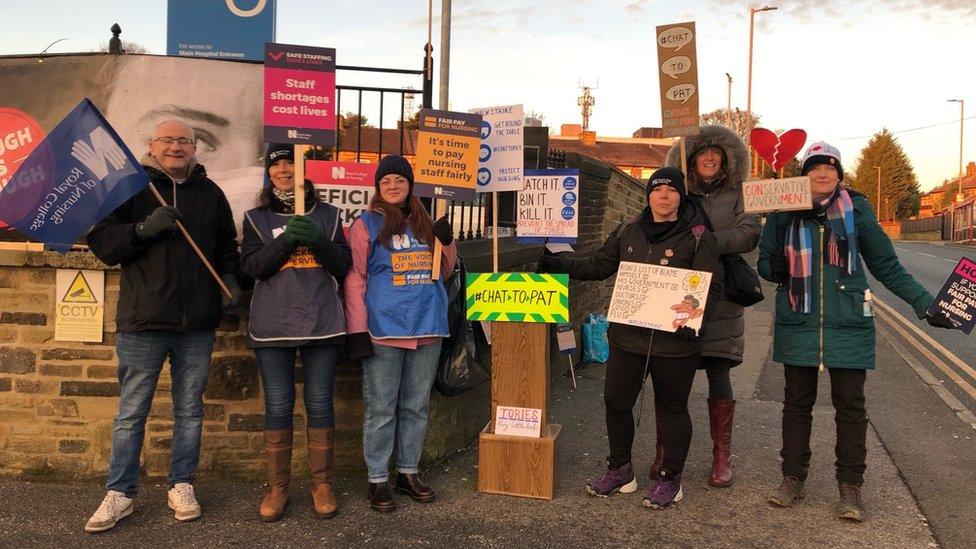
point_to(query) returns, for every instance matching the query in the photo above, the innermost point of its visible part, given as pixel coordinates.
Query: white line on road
(903, 249)
(928, 339)
(952, 260)
(925, 254)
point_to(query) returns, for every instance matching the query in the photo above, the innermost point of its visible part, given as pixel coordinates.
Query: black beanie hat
(667, 176)
(277, 151)
(395, 164)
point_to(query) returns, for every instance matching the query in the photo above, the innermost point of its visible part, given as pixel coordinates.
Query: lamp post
(962, 105)
(752, 18)
(51, 44)
(728, 107)
(879, 190)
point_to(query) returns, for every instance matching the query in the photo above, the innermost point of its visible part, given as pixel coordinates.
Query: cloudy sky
(841, 70)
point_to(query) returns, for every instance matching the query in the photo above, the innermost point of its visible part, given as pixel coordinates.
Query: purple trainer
(665, 491)
(620, 480)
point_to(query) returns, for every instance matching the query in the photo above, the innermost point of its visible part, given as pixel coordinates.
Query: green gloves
(302, 231)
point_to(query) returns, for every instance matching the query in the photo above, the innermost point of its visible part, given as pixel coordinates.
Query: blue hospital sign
(222, 29)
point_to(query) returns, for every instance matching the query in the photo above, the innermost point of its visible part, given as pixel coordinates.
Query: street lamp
(752, 17)
(728, 108)
(962, 105)
(879, 190)
(51, 44)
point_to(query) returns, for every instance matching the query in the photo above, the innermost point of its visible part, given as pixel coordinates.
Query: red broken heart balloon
(777, 151)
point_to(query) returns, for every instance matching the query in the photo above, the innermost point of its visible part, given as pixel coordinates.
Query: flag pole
(440, 209)
(189, 239)
(300, 179)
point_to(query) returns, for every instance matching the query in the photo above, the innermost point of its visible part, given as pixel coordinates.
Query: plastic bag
(595, 345)
(465, 360)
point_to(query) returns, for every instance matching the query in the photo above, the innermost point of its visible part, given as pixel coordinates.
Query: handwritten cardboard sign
(548, 207)
(957, 298)
(678, 63)
(447, 155)
(518, 422)
(517, 297)
(774, 195)
(658, 297)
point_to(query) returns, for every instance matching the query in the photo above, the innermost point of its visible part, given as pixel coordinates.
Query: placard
(548, 207)
(565, 339)
(678, 76)
(299, 95)
(80, 309)
(957, 298)
(777, 195)
(658, 297)
(447, 155)
(518, 422)
(517, 297)
(500, 156)
(346, 185)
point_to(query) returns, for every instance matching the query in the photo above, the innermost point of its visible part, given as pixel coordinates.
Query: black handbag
(741, 281)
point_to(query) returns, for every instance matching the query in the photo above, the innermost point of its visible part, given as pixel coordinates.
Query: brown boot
(720, 412)
(321, 463)
(277, 449)
(658, 447)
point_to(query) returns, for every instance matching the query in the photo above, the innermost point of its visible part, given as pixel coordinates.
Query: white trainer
(182, 501)
(115, 507)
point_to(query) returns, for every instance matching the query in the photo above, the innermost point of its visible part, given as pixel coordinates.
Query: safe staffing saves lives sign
(299, 95)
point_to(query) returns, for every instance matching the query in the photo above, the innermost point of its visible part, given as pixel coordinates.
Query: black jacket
(164, 284)
(628, 242)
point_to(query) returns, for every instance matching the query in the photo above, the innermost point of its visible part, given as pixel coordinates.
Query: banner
(346, 185)
(957, 298)
(19, 135)
(658, 297)
(79, 174)
(772, 195)
(500, 156)
(678, 63)
(548, 207)
(80, 309)
(447, 155)
(299, 95)
(222, 29)
(518, 297)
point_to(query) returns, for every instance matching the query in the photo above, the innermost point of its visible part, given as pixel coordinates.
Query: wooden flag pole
(440, 208)
(684, 157)
(494, 232)
(300, 179)
(189, 239)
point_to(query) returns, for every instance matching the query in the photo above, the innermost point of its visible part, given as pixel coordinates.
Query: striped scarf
(841, 246)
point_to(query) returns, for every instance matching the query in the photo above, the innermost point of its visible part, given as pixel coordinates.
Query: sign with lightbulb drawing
(678, 63)
(659, 297)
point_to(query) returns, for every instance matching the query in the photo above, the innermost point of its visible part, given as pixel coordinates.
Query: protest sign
(500, 156)
(658, 297)
(299, 95)
(80, 309)
(517, 297)
(548, 207)
(221, 29)
(772, 195)
(777, 150)
(447, 155)
(678, 63)
(518, 422)
(345, 185)
(957, 298)
(19, 135)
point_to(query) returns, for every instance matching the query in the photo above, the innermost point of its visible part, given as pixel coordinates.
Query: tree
(412, 123)
(350, 121)
(898, 182)
(735, 119)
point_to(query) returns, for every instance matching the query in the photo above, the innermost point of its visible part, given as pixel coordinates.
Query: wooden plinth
(518, 466)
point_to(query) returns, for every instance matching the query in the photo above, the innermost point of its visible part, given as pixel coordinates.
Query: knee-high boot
(277, 450)
(720, 412)
(321, 465)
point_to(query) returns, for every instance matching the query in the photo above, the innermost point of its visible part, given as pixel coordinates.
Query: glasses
(182, 141)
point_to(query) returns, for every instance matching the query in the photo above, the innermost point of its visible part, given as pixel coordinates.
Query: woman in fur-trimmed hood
(718, 163)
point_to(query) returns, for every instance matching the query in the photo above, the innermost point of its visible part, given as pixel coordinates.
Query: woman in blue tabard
(396, 316)
(297, 261)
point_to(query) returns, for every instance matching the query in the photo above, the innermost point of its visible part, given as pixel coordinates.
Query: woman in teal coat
(824, 319)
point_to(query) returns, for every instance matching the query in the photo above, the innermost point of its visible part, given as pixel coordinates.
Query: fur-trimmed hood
(713, 135)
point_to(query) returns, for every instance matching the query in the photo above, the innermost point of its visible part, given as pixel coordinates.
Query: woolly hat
(277, 151)
(822, 153)
(667, 176)
(393, 164)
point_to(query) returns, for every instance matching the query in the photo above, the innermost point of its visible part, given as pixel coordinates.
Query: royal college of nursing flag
(79, 174)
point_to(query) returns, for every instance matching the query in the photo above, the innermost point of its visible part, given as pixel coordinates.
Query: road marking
(925, 254)
(952, 260)
(903, 249)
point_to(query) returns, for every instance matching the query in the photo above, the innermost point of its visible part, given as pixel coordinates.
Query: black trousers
(719, 372)
(671, 379)
(850, 415)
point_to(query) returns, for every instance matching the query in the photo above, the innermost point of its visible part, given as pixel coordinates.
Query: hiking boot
(115, 507)
(620, 480)
(182, 501)
(665, 491)
(789, 492)
(850, 507)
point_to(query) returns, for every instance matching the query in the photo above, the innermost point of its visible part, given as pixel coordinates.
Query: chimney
(645, 132)
(588, 138)
(971, 169)
(570, 130)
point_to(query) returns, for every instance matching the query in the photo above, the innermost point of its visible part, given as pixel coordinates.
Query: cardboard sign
(517, 297)
(957, 298)
(299, 95)
(678, 63)
(777, 195)
(447, 155)
(565, 339)
(658, 297)
(346, 185)
(518, 422)
(230, 29)
(548, 207)
(80, 310)
(500, 156)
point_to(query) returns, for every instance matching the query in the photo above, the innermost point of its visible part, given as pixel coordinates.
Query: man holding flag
(169, 306)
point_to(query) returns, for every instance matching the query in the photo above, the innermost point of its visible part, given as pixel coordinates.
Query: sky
(840, 69)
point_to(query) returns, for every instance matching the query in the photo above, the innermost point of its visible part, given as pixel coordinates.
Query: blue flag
(78, 175)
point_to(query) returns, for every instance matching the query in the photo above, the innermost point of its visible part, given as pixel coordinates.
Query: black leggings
(719, 375)
(672, 379)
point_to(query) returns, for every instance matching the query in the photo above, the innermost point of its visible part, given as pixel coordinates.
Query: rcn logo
(99, 153)
(292, 134)
(338, 172)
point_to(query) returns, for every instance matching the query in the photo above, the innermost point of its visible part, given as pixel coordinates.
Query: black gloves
(779, 267)
(549, 263)
(302, 231)
(235, 292)
(443, 231)
(162, 220)
(358, 345)
(686, 333)
(939, 321)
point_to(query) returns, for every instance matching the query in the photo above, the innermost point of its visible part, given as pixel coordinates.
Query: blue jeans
(141, 356)
(277, 366)
(396, 396)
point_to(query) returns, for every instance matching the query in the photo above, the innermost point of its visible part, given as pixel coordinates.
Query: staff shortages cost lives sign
(299, 94)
